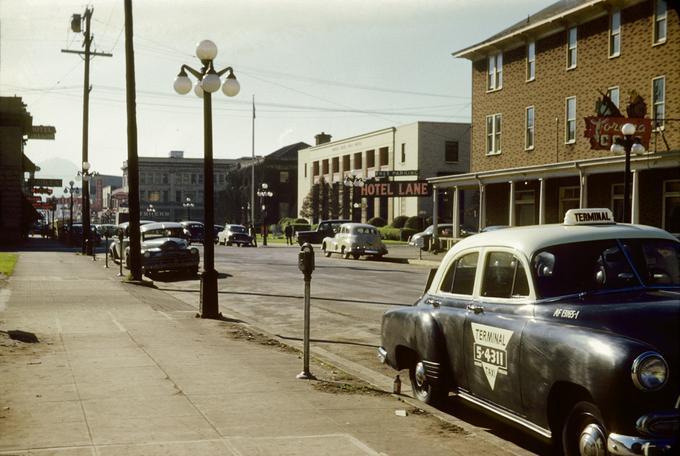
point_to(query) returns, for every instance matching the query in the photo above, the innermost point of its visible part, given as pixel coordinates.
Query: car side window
(504, 276)
(460, 277)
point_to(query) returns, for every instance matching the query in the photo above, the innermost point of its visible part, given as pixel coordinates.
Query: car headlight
(194, 251)
(147, 254)
(649, 371)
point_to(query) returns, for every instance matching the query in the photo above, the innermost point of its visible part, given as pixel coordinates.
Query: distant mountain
(58, 168)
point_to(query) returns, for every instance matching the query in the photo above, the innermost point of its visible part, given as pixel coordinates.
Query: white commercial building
(418, 150)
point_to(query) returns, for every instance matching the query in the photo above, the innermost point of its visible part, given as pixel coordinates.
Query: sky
(344, 67)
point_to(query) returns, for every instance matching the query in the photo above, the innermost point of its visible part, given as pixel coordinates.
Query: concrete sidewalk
(124, 369)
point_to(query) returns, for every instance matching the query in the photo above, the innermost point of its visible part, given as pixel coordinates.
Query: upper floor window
(615, 33)
(570, 118)
(493, 134)
(658, 101)
(571, 48)
(451, 151)
(614, 95)
(494, 80)
(529, 128)
(531, 61)
(660, 21)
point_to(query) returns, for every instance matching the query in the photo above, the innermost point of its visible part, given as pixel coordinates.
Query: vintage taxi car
(354, 240)
(165, 247)
(570, 330)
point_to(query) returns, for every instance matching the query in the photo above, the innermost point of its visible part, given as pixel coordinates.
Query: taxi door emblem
(490, 350)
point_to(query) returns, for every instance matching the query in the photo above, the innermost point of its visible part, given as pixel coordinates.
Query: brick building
(533, 86)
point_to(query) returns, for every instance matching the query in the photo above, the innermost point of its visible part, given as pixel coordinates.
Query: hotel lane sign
(396, 189)
(603, 131)
(405, 172)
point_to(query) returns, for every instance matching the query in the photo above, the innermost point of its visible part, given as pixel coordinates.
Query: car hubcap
(420, 375)
(592, 441)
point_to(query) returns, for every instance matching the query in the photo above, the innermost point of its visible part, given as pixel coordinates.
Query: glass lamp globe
(86, 165)
(231, 86)
(617, 149)
(637, 148)
(628, 129)
(182, 85)
(359, 183)
(211, 83)
(206, 50)
(198, 90)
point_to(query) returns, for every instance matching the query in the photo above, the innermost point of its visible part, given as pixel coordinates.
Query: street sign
(34, 199)
(47, 206)
(42, 190)
(405, 172)
(46, 182)
(42, 132)
(396, 189)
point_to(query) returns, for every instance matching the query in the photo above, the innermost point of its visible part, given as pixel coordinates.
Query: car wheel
(356, 256)
(583, 432)
(228, 243)
(326, 253)
(423, 389)
(345, 254)
(377, 257)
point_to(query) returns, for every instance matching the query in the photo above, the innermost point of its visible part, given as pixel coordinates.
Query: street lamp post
(151, 211)
(70, 190)
(86, 175)
(263, 192)
(208, 82)
(626, 145)
(188, 204)
(355, 183)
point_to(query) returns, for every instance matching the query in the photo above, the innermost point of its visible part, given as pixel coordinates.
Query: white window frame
(567, 119)
(563, 198)
(572, 65)
(495, 150)
(613, 34)
(655, 25)
(610, 91)
(494, 72)
(655, 125)
(528, 128)
(531, 62)
(667, 194)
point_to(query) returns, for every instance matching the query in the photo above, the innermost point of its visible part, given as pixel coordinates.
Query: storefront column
(482, 206)
(635, 200)
(583, 190)
(511, 215)
(541, 201)
(455, 217)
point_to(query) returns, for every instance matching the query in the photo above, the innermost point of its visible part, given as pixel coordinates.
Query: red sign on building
(603, 131)
(396, 188)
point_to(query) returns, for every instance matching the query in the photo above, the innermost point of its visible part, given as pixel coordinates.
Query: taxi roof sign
(591, 216)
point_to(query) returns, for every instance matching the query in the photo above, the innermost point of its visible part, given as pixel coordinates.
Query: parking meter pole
(120, 256)
(94, 245)
(306, 265)
(106, 251)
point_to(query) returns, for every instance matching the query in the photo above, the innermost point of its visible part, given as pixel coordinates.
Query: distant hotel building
(533, 86)
(430, 148)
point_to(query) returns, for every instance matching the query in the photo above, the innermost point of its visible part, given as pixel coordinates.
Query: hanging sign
(396, 189)
(603, 131)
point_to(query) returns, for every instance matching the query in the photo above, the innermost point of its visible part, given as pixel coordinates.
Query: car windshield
(237, 229)
(602, 265)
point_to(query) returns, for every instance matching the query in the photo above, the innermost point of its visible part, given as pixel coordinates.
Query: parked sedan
(196, 230)
(355, 239)
(165, 248)
(234, 234)
(115, 245)
(444, 230)
(569, 330)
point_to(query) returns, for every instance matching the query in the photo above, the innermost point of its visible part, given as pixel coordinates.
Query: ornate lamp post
(86, 175)
(188, 204)
(355, 183)
(626, 145)
(208, 82)
(263, 192)
(71, 190)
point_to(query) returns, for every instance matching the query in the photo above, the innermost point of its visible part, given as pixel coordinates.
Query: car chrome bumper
(382, 355)
(626, 445)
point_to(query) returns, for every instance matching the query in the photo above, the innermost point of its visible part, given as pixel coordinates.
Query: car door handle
(433, 302)
(476, 308)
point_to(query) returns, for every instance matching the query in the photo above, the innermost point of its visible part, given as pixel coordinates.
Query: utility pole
(76, 26)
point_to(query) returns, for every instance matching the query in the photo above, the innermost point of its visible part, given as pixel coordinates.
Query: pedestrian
(253, 234)
(288, 230)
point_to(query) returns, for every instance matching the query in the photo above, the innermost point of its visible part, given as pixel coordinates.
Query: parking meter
(306, 260)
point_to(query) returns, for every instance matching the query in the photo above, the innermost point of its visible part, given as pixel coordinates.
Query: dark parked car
(325, 228)
(165, 248)
(74, 234)
(568, 330)
(234, 234)
(444, 230)
(196, 230)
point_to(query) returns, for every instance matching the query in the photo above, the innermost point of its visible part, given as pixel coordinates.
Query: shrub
(396, 234)
(377, 221)
(399, 221)
(407, 233)
(302, 220)
(414, 223)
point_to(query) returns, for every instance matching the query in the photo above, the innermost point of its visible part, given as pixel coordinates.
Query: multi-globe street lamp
(208, 81)
(626, 145)
(188, 204)
(86, 175)
(263, 192)
(151, 211)
(71, 190)
(355, 183)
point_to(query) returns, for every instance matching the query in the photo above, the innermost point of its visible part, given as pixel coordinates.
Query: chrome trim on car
(382, 355)
(626, 445)
(432, 370)
(659, 424)
(507, 415)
